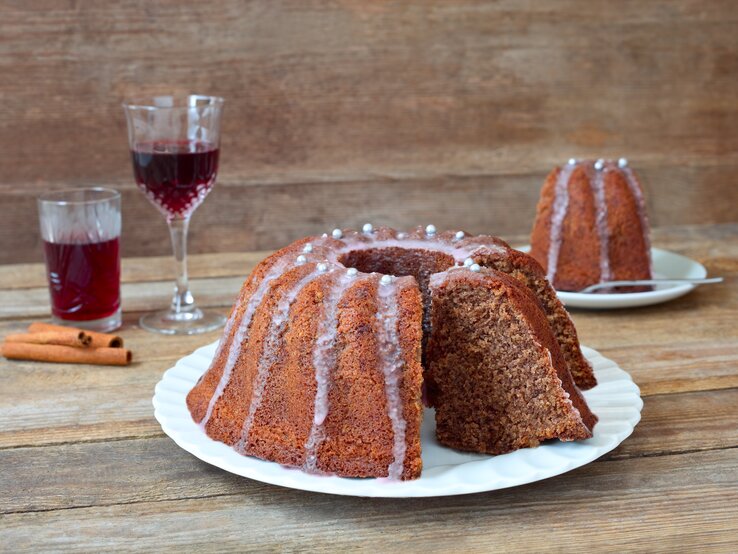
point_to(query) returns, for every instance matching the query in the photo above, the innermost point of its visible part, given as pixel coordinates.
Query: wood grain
(398, 112)
(88, 472)
(664, 503)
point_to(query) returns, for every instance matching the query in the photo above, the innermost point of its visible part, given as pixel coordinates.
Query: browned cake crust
(496, 377)
(588, 253)
(320, 365)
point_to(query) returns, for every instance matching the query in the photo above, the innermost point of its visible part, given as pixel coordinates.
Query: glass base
(103, 325)
(189, 323)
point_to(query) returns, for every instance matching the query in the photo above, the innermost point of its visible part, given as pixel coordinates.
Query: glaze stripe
(270, 353)
(241, 335)
(598, 189)
(324, 362)
(558, 213)
(390, 354)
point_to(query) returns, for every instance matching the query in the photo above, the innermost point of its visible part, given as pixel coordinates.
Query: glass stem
(183, 304)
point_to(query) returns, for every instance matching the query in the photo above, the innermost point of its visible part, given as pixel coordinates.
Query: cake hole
(399, 262)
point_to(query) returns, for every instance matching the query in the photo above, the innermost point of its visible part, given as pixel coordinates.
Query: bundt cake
(591, 225)
(321, 362)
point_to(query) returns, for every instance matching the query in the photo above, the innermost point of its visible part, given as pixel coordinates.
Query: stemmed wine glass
(174, 143)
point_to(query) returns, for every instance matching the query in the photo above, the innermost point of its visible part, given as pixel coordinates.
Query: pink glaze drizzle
(598, 189)
(270, 354)
(392, 363)
(324, 361)
(241, 335)
(558, 213)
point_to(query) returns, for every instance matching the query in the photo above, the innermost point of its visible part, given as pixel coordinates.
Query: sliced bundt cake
(320, 367)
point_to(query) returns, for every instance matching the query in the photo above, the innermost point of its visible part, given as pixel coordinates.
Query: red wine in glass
(174, 142)
(176, 176)
(84, 279)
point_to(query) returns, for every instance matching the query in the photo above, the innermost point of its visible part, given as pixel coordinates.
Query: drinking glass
(81, 230)
(174, 143)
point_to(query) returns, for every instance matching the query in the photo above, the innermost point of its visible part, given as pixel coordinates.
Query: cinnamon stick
(66, 354)
(99, 340)
(70, 337)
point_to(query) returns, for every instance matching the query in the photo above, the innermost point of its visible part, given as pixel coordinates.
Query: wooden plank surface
(89, 472)
(399, 112)
(87, 468)
(644, 504)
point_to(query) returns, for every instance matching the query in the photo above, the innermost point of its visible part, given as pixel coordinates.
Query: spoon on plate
(644, 282)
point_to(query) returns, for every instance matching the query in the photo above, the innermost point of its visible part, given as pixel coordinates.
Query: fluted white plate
(666, 265)
(616, 400)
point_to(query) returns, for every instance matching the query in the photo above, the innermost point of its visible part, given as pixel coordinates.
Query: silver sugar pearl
(459, 235)
(572, 161)
(307, 248)
(475, 268)
(352, 271)
(430, 230)
(367, 228)
(468, 262)
(401, 235)
(337, 234)
(386, 279)
(301, 259)
(622, 162)
(322, 267)
(599, 164)
(324, 235)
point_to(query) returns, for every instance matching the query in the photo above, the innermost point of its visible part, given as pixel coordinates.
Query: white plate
(665, 265)
(616, 401)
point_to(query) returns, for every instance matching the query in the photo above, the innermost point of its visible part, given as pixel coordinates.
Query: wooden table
(84, 465)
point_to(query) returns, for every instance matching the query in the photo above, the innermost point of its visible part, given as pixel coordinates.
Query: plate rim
(632, 299)
(193, 440)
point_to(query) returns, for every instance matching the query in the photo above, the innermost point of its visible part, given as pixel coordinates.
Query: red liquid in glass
(176, 176)
(84, 279)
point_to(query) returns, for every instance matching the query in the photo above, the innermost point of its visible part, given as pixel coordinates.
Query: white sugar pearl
(475, 267)
(301, 259)
(572, 161)
(322, 267)
(468, 262)
(430, 230)
(324, 235)
(337, 234)
(623, 162)
(459, 235)
(367, 228)
(307, 248)
(352, 271)
(401, 235)
(386, 279)
(599, 164)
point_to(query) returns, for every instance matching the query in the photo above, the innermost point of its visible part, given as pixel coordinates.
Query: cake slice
(496, 375)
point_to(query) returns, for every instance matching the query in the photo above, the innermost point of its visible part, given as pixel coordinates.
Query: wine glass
(175, 143)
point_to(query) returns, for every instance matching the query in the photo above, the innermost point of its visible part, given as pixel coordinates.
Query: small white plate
(665, 265)
(616, 401)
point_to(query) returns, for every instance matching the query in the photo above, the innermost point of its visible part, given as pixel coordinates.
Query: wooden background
(398, 112)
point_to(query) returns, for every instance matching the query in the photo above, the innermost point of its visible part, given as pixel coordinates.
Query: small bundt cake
(321, 362)
(591, 225)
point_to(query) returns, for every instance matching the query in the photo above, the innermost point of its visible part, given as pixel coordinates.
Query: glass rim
(58, 197)
(147, 102)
